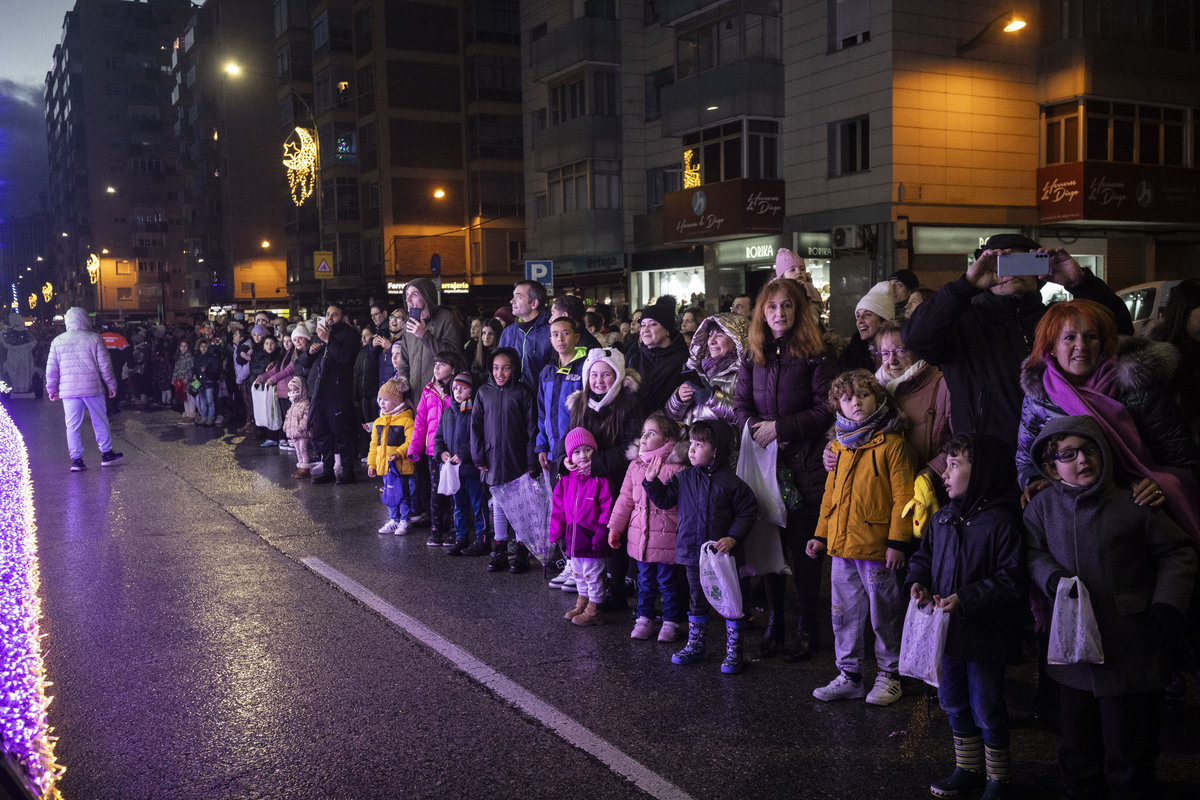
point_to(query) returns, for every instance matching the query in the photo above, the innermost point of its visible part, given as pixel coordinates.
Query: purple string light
(24, 732)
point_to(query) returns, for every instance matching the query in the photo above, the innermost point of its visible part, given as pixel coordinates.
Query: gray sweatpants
(862, 589)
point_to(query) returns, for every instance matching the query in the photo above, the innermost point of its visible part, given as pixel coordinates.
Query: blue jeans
(401, 491)
(972, 695)
(652, 579)
(469, 500)
(205, 403)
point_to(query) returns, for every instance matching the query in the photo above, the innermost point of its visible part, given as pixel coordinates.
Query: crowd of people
(969, 448)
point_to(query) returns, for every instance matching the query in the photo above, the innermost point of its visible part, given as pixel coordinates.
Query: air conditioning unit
(846, 237)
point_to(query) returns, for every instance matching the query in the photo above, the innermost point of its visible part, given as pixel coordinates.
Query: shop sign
(601, 262)
(819, 252)
(745, 251)
(455, 287)
(952, 240)
(728, 208)
(395, 287)
(1100, 190)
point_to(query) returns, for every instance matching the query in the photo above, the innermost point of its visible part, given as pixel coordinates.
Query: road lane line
(568, 729)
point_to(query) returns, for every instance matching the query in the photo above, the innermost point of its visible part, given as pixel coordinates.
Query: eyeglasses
(1072, 453)
(898, 352)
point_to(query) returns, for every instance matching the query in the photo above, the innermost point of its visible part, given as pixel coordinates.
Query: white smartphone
(1009, 264)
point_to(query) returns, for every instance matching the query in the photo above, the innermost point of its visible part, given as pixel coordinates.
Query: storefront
(598, 279)
(679, 272)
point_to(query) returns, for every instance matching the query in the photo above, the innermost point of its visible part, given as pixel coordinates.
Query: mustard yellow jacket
(390, 435)
(865, 496)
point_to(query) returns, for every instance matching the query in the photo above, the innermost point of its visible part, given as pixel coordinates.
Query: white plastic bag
(923, 642)
(448, 482)
(266, 407)
(526, 504)
(719, 579)
(763, 548)
(1074, 636)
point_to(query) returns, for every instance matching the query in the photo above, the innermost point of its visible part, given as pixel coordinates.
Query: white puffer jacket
(79, 365)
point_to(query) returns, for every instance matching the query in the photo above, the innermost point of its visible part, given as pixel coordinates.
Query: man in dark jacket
(331, 407)
(659, 355)
(530, 334)
(979, 329)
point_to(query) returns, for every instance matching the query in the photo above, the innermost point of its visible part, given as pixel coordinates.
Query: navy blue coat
(454, 437)
(713, 503)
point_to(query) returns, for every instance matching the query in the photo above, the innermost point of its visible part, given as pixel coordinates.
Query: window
(494, 78)
(849, 146)
(339, 143)
(606, 184)
(124, 292)
(567, 102)
(746, 148)
(492, 21)
(332, 32)
(582, 185)
(661, 181)
(368, 147)
(145, 265)
(494, 136)
(331, 88)
(605, 97)
(496, 194)
(748, 31)
(600, 9)
(1132, 133)
(1062, 133)
(851, 22)
(339, 199)
(655, 83)
(138, 164)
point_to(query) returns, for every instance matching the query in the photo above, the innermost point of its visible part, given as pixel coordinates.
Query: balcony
(743, 88)
(581, 40)
(575, 140)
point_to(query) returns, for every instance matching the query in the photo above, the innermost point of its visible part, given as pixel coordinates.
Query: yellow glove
(923, 505)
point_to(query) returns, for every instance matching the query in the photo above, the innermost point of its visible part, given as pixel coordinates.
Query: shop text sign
(729, 208)
(1120, 192)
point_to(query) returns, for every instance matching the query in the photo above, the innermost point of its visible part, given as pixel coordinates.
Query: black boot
(326, 475)
(499, 559)
(520, 554)
(479, 547)
(772, 640)
(806, 643)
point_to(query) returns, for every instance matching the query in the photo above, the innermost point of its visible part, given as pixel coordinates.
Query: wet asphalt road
(194, 655)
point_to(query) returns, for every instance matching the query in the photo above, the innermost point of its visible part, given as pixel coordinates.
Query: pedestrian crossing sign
(323, 263)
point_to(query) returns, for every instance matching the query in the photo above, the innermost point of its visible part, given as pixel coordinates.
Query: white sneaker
(569, 584)
(401, 528)
(642, 629)
(885, 691)
(389, 526)
(840, 688)
(669, 631)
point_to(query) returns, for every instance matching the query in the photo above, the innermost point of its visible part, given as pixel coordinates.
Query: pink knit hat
(577, 438)
(784, 260)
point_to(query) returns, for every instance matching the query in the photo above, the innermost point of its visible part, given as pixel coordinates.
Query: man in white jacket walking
(79, 371)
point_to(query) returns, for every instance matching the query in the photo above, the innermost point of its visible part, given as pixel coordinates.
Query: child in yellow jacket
(862, 526)
(390, 436)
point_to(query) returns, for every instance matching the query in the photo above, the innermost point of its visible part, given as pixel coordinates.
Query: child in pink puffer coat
(651, 530)
(435, 398)
(579, 517)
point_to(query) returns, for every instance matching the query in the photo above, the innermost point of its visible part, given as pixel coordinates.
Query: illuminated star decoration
(93, 267)
(300, 158)
(24, 732)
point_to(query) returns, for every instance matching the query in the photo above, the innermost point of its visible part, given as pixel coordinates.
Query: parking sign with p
(542, 272)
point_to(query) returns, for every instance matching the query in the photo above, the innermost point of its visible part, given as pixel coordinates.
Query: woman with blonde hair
(782, 388)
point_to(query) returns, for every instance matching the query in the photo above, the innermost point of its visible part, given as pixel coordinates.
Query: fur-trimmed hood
(735, 326)
(632, 381)
(1141, 363)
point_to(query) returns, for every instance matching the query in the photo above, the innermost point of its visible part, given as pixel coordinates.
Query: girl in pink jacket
(579, 516)
(435, 398)
(651, 530)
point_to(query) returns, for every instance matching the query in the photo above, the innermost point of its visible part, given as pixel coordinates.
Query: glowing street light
(439, 193)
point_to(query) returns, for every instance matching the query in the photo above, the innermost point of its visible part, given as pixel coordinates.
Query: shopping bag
(266, 407)
(448, 482)
(756, 466)
(1074, 636)
(923, 642)
(719, 579)
(526, 504)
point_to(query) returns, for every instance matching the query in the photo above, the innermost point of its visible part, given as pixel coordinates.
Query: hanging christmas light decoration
(47, 291)
(32, 301)
(301, 159)
(93, 267)
(23, 726)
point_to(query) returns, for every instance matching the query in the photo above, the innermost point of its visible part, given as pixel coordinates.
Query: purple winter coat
(793, 392)
(579, 515)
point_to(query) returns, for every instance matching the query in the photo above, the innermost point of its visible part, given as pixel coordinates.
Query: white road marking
(568, 729)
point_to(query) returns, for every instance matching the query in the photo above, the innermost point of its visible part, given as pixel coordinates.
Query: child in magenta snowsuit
(579, 517)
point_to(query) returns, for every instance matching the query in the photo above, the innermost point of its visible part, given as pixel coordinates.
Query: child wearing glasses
(1138, 567)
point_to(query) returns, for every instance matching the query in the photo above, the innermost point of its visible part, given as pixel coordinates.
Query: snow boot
(694, 650)
(732, 664)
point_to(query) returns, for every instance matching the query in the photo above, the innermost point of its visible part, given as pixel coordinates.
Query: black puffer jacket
(333, 383)
(504, 428)
(454, 437)
(979, 340)
(713, 503)
(661, 369)
(366, 382)
(1144, 370)
(974, 548)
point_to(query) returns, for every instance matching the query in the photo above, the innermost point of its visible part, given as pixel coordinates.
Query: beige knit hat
(878, 301)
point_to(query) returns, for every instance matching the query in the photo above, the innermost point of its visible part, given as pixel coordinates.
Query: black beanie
(662, 313)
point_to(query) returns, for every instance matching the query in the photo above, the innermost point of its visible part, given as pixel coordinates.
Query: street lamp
(1013, 22)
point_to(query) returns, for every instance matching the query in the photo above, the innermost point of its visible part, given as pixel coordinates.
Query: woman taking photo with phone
(781, 391)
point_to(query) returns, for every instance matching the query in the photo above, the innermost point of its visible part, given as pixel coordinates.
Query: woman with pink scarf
(1078, 366)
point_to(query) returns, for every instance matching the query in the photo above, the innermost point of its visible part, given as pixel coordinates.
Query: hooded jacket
(650, 530)
(718, 404)
(79, 364)
(979, 340)
(504, 428)
(579, 513)
(1144, 373)
(453, 436)
(791, 391)
(613, 454)
(555, 385)
(865, 495)
(1129, 557)
(428, 416)
(442, 332)
(532, 345)
(661, 369)
(713, 503)
(295, 422)
(207, 367)
(973, 547)
(390, 436)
